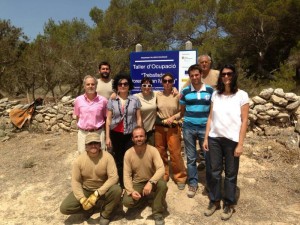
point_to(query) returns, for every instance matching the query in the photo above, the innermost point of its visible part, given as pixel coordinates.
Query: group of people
(138, 130)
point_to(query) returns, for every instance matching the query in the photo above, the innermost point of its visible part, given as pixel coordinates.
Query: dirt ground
(35, 177)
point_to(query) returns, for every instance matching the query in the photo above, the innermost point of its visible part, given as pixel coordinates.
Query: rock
(2, 133)
(269, 105)
(55, 128)
(63, 126)
(59, 116)
(278, 100)
(297, 112)
(15, 102)
(52, 121)
(6, 138)
(74, 125)
(252, 117)
(260, 108)
(263, 117)
(279, 92)
(297, 127)
(293, 105)
(271, 131)
(65, 99)
(259, 100)
(272, 112)
(266, 93)
(39, 118)
(67, 118)
(291, 97)
(3, 100)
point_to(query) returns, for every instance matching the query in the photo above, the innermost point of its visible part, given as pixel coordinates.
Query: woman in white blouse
(225, 133)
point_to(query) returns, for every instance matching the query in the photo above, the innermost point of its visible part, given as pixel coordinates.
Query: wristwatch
(152, 182)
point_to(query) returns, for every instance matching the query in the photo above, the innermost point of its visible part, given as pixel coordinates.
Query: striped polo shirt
(197, 105)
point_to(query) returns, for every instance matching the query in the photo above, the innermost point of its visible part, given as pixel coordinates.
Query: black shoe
(227, 212)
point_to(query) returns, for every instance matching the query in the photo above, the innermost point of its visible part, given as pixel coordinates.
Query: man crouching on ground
(143, 173)
(94, 183)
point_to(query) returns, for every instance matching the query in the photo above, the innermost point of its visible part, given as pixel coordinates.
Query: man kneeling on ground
(143, 173)
(94, 183)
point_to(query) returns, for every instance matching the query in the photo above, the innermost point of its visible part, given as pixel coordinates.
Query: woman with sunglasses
(225, 133)
(148, 110)
(123, 115)
(167, 131)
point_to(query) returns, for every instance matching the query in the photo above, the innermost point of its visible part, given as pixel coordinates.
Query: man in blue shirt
(195, 105)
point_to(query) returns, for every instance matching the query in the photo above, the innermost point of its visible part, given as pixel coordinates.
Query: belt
(168, 126)
(91, 130)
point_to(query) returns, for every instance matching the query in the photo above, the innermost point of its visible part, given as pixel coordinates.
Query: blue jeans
(190, 135)
(220, 147)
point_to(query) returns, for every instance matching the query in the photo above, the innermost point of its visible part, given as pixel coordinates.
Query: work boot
(159, 220)
(192, 191)
(212, 207)
(227, 212)
(104, 221)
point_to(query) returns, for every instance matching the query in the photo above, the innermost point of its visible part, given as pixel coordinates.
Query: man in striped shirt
(195, 105)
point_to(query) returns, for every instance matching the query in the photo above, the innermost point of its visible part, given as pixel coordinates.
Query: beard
(104, 75)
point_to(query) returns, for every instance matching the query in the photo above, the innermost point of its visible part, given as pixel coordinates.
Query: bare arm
(107, 128)
(244, 117)
(182, 111)
(139, 117)
(205, 142)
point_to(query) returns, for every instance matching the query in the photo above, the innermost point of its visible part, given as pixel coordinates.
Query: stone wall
(274, 108)
(270, 109)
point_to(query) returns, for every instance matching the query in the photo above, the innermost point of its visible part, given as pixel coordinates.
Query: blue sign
(153, 65)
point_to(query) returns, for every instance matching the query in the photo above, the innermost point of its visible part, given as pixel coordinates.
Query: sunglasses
(167, 81)
(123, 84)
(146, 85)
(229, 74)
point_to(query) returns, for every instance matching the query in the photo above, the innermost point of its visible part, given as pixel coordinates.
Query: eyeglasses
(229, 74)
(123, 84)
(146, 85)
(168, 81)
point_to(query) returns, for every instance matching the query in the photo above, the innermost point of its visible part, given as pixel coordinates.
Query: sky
(31, 15)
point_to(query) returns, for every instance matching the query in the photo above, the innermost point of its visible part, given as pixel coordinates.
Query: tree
(253, 31)
(12, 42)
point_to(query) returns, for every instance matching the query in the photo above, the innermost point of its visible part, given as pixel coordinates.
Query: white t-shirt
(148, 110)
(226, 116)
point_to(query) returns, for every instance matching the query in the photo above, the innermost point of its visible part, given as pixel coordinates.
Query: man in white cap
(94, 183)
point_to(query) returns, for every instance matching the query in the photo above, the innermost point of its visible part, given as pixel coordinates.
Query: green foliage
(258, 36)
(284, 78)
(12, 42)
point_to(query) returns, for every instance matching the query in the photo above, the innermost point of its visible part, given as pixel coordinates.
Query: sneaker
(192, 191)
(181, 186)
(212, 207)
(227, 212)
(159, 220)
(104, 221)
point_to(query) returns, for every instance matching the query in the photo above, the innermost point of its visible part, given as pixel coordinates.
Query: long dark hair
(233, 84)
